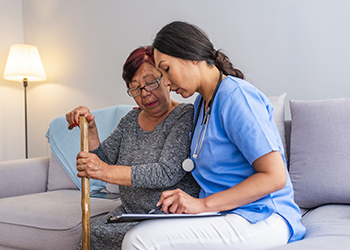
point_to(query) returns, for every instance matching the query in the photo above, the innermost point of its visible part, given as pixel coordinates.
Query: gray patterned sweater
(155, 157)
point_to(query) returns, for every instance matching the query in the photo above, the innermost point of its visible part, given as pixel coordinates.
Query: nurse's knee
(146, 235)
(130, 239)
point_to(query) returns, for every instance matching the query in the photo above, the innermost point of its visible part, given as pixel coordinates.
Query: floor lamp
(24, 65)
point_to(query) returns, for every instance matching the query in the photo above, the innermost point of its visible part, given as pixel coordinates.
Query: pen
(112, 219)
(155, 210)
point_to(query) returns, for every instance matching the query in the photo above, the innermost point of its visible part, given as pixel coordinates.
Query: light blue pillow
(65, 145)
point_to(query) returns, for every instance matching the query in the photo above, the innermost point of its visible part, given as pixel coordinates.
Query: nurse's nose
(166, 81)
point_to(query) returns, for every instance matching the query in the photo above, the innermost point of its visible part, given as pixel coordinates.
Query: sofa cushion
(327, 227)
(338, 242)
(58, 177)
(278, 106)
(327, 220)
(39, 220)
(319, 154)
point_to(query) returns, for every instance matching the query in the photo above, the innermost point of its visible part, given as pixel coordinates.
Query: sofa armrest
(20, 177)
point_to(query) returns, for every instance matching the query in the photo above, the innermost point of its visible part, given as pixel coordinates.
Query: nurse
(236, 156)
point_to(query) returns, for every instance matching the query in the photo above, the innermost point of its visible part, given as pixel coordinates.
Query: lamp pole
(24, 63)
(25, 84)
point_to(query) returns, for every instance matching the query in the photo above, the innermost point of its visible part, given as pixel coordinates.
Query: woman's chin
(185, 94)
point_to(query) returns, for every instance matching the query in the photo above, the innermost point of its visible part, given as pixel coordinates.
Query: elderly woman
(144, 153)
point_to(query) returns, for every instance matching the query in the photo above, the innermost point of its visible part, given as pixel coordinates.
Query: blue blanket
(65, 144)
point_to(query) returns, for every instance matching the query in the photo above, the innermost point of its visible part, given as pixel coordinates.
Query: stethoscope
(188, 164)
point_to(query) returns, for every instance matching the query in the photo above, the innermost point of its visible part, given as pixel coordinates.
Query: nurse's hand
(178, 202)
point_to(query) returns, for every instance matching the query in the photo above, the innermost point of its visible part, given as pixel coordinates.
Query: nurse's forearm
(251, 189)
(270, 176)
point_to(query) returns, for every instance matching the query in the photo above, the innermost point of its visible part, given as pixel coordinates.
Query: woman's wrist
(218, 202)
(207, 205)
(94, 140)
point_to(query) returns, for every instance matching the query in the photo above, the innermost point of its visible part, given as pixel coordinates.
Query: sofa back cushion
(278, 106)
(319, 152)
(58, 178)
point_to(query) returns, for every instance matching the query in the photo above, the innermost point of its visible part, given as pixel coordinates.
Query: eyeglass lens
(150, 86)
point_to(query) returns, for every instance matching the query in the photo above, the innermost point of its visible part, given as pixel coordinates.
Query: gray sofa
(40, 205)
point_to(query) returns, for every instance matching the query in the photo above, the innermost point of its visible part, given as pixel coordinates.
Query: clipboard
(142, 217)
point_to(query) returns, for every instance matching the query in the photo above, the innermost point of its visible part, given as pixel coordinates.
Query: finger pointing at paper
(179, 202)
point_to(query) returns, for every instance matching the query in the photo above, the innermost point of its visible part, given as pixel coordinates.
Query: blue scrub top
(241, 129)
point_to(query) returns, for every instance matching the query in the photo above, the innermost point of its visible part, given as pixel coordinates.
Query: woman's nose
(166, 81)
(144, 92)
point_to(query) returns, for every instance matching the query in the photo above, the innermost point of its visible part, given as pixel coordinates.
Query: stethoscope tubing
(188, 162)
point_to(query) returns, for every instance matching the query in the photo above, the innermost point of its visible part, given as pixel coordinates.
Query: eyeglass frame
(144, 87)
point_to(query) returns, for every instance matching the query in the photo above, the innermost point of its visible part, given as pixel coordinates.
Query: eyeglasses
(148, 87)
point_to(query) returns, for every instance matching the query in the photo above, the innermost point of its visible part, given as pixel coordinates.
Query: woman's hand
(73, 116)
(91, 166)
(73, 120)
(178, 202)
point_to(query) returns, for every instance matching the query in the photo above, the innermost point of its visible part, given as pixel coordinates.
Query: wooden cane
(85, 186)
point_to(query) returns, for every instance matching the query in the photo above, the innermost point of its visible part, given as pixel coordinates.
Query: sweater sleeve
(108, 150)
(167, 171)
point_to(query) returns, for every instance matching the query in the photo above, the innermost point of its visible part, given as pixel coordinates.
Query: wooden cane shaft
(85, 186)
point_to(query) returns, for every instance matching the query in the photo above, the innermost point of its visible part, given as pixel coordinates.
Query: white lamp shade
(24, 62)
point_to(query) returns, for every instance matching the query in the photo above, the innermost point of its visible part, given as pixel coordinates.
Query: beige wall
(294, 46)
(11, 93)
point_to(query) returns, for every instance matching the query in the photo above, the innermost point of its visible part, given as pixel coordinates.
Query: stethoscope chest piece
(188, 165)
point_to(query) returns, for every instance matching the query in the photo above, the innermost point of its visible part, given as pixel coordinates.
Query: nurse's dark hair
(186, 41)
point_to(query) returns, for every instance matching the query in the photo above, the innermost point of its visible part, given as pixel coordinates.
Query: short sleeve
(247, 117)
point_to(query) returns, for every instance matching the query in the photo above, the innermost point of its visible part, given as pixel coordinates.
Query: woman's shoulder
(130, 117)
(232, 83)
(233, 86)
(185, 107)
(182, 110)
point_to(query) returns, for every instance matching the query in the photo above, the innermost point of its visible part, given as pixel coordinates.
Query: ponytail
(187, 41)
(222, 62)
